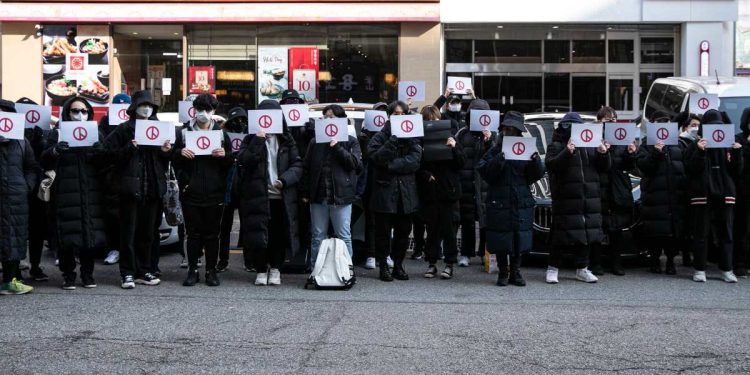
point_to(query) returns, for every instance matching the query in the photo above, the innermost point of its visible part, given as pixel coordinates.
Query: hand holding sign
(482, 120)
(620, 134)
(719, 135)
(407, 126)
(518, 148)
(268, 121)
(664, 132)
(586, 135)
(79, 133)
(296, 115)
(700, 103)
(459, 85)
(331, 129)
(375, 120)
(203, 142)
(413, 90)
(35, 115)
(154, 133)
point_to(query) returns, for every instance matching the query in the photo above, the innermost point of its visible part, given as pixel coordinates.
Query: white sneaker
(463, 261)
(551, 277)
(389, 261)
(23, 265)
(112, 258)
(586, 276)
(261, 279)
(274, 277)
(699, 276)
(729, 277)
(370, 263)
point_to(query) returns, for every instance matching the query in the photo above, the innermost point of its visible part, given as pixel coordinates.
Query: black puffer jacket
(617, 190)
(663, 183)
(576, 191)
(345, 163)
(77, 196)
(446, 186)
(19, 174)
(202, 180)
(394, 164)
(473, 187)
(742, 181)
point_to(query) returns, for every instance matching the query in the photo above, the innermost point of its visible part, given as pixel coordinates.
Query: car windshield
(734, 106)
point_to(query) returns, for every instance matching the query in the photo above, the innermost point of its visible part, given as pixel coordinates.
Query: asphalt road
(637, 324)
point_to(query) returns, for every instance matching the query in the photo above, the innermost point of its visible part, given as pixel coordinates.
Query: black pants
(227, 221)
(718, 216)
(669, 246)
(502, 261)
(400, 224)
(274, 254)
(38, 226)
(68, 262)
(741, 234)
(156, 243)
(419, 226)
(202, 225)
(614, 248)
(112, 221)
(10, 270)
(137, 220)
(438, 217)
(581, 253)
(469, 239)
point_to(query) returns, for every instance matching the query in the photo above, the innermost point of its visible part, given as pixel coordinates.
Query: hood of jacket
(65, 113)
(745, 122)
(142, 97)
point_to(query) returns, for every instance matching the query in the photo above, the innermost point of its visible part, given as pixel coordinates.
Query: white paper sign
(268, 120)
(482, 120)
(718, 136)
(352, 130)
(586, 135)
(296, 115)
(519, 148)
(166, 86)
(329, 129)
(12, 125)
(118, 113)
(79, 133)
(460, 85)
(35, 115)
(375, 120)
(203, 142)
(305, 82)
(154, 133)
(700, 103)
(620, 134)
(235, 140)
(666, 132)
(407, 126)
(187, 112)
(413, 90)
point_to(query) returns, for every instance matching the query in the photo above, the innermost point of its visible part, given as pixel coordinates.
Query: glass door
(510, 92)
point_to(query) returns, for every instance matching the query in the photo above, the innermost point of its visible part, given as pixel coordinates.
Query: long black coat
(345, 162)
(663, 183)
(576, 191)
(446, 186)
(617, 190)
(203, 179)
(473, 187)
(255, 209)
(510, 204)
(19, 175)
(394, 164)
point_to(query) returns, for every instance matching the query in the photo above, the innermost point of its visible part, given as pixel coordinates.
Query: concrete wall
(21, 61)
(720, 35)
(419, 57)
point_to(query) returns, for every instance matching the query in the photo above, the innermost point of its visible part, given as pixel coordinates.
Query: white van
(672, 95)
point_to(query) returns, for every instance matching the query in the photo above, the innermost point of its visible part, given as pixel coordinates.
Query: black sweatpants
(581, 253)
(202, 227)
(384, 223)
(438, 218)
(274, 253)
(469, 239)
(719, 216)
(137, 220)
(68, 262)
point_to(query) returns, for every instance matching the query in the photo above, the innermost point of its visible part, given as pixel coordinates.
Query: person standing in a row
(236, 123)
(742, 207)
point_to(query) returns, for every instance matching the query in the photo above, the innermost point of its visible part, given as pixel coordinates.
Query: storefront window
(657, 50)
(621, 94)
(621, 52)
(556, 51)
(557, 92)
(588, 93)
(588, 51)
(458, 51)
(508, 51)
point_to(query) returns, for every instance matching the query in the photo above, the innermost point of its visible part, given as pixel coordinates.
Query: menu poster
(303, 71)
(202, 79)
(273, 75)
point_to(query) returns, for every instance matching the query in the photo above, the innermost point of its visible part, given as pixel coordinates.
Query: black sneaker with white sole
(127, 282)
(37, 274)
(447, 272)
(147, 279)
(69, 283)
(88, 281)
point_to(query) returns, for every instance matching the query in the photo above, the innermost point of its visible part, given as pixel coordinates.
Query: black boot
(617, 268)
(516, 278)
(211, 278)
(670, 268)
(192, 278)
(385, 272)
(399, 273)
(502, 277)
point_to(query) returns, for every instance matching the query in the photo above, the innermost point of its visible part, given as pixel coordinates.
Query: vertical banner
(202, 79)
(303, 71)
(273, 75)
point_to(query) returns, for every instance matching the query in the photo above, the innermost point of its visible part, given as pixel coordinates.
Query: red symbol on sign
(32, 116)
(620, 134)
(6, 125)
(76, 63)
(484, 120)
(265, 121)
(191, 112)
(662, 134)
(460, 85)
(703, 103)
(331, 130)
(379, 121)
(411, 91)
(718, 135)
(294, 115)
(407, 126)
(519, 148)
(123, 114)
(236, 144)
(80, 133)
(587, 135)
(152, 132)
(203, 142)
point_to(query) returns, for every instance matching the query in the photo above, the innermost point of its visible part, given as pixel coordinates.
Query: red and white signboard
(586, 135)
(666, 132)
(235, 140)
(413, 90)
(186, 111)
(118, 113)
(700, 103)
(304, 81)
(76, 65)
(718, 136)
(79, 133)
(482, 120)
(203, 142)
(460, 85)
(407, 126)
(268, 121)
(154, 133)
(375, 120)
(330, 129)
(620, 134)
(35, 115)
(12, 125)
(296, 115)
(519, 148)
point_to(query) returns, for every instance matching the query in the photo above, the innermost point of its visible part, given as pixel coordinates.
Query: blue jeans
(339, 216)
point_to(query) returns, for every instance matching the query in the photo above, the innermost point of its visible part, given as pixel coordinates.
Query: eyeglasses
(76, 111)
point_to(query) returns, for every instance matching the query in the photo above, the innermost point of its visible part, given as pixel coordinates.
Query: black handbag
(436, 133)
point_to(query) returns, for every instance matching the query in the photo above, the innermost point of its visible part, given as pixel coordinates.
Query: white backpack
(333, 267)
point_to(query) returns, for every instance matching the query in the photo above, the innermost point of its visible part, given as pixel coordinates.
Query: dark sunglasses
(77, 111)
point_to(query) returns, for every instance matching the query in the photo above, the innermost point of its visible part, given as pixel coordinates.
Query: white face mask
(203, 116)
(691, 133)
(454, 107)
(76, 116)
(144, 111)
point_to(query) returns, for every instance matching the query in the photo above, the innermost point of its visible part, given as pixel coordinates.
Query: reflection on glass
(557, 92)
(621, 94)
(508, 51)
(588, 93)
(556, 51)
(588, 51)
(657, 50)
(621, 52)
